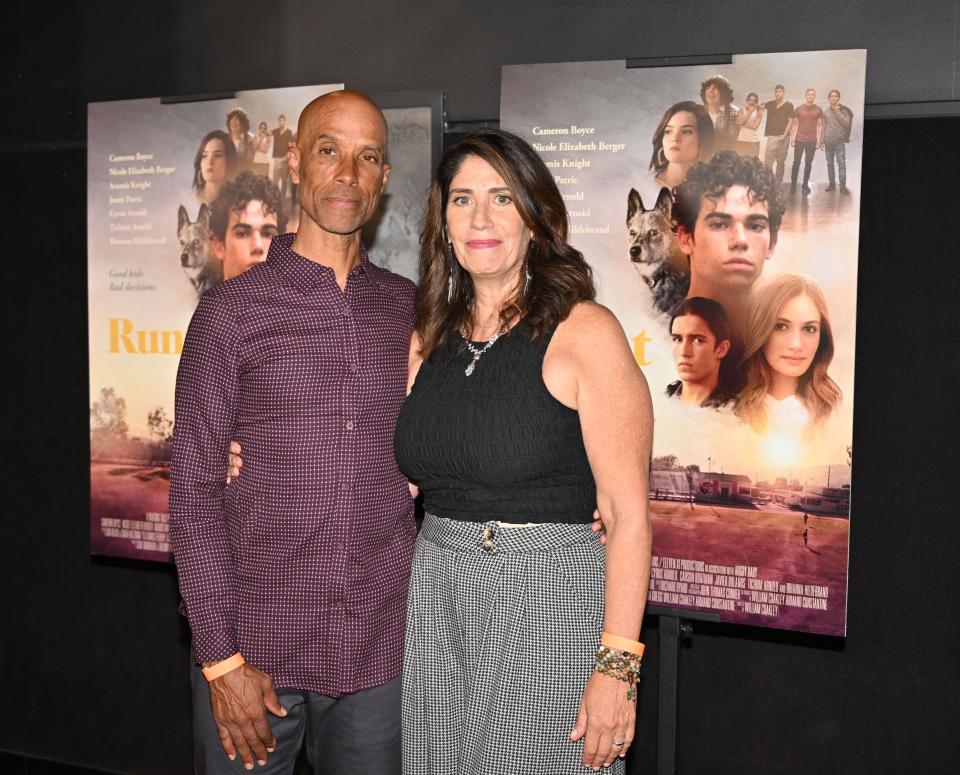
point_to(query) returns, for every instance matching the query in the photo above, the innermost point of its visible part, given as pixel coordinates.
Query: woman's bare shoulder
(590, 324)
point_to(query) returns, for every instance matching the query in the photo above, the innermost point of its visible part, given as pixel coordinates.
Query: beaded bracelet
(621, 665)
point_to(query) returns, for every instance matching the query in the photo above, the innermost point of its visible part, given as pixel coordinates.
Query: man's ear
(772, 246)
(723, 348)
(219, 248)
(386, 176)
(685, 239)
(293, 164)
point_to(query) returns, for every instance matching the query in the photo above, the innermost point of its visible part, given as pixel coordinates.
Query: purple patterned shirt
(302, 562)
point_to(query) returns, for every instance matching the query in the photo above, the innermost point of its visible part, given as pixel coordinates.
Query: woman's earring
(453, 265)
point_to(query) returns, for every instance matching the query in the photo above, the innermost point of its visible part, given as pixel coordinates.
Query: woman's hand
(606, 718)
(234, 462)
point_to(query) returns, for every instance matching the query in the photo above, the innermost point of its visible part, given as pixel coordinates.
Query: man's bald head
(339, 162)
(343, 100)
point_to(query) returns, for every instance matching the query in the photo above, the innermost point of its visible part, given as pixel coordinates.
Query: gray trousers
(837, 151)
(357, 733)
(501, 639)
(776, 153)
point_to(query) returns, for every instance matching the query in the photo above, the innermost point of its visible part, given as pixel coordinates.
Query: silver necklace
(477, 352)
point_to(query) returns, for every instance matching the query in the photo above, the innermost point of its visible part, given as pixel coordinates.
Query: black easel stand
(674, 630)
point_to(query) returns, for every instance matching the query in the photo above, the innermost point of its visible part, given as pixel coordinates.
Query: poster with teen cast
(182, 197)
(719, 208)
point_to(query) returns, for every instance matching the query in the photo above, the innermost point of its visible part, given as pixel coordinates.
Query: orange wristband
(623, 644)
(224, 667)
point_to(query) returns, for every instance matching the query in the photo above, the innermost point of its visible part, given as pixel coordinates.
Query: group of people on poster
(692, 131)
(245, 195)
(742, 341)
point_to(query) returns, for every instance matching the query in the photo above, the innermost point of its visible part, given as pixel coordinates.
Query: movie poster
(719, 206)
(154, 173)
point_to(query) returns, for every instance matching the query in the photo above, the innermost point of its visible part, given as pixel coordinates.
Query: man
(238, 127)
(700, 333)
(727, 214)
(282, 138)
(716, 95)
(246, 215)
(294, 576)
(777, 131)
(807, 137)
(837, 121)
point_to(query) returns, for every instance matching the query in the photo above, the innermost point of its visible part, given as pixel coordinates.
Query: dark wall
(94, 652)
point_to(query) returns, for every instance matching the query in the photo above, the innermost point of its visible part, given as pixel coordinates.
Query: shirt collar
(302, 273)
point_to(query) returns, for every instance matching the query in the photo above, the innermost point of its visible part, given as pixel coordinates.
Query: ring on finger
(619, 742)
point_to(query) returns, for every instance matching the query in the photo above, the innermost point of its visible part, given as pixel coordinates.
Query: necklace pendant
(469, 370)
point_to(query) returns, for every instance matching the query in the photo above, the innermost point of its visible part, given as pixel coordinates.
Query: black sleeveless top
(495, 445)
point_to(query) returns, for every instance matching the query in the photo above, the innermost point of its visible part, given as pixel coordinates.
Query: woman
(748, 119)
(526, 409)
(213, 165)
(262, 150)
(787, 351)
(683, 137)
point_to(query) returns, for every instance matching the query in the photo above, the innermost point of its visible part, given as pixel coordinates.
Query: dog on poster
(196, 254)
(655, 252)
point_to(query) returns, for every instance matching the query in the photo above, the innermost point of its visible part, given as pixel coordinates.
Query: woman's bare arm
(590, 368)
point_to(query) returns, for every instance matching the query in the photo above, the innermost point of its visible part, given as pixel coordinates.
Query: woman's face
(263, 127)
(752, 101)
(213, 162)
(489, 237)
(793, 343)
(681, 138)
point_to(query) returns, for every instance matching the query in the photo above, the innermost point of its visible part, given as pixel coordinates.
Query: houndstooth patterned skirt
(502, 631)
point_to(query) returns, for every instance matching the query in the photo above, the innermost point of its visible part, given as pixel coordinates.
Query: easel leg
(670, 629)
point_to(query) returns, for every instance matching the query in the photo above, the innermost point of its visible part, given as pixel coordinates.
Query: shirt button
(344, 486)
(349, 425)
(354, 367)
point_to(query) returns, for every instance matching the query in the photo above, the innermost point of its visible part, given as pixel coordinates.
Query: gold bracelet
(223, 667)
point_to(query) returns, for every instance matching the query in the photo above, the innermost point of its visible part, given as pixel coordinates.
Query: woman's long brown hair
(559, 276)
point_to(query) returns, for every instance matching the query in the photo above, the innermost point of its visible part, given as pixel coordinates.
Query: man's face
(339, 164)
(281, 122)
(248, 237)
(712, 95)
(778, 93)
(731, 239)
(810, 96)
(834, 98)
(235, 125)
(696, 352)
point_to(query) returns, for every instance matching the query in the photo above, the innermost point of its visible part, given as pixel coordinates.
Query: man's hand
(606, 721)
(598, 527)
(240, 700)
